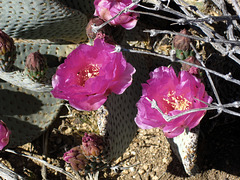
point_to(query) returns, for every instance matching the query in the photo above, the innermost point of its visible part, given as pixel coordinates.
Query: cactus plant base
(185, 148)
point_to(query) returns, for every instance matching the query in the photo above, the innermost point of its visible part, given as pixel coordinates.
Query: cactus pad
(28, 113)
(42, 19)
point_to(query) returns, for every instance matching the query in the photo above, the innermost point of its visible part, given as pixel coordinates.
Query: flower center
(176, 102)
(90, 71)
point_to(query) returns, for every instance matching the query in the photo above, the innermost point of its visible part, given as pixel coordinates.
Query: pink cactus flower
(90, 74)
(107, 9)
(173, 96)
(4, 135)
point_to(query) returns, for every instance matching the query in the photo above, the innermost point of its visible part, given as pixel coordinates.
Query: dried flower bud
(7, 51)
(76, 158)
(36, 66)
(4, 135)
(181, 42)
(6, 43)
(103, 33)
(191, 69)
(92, 144)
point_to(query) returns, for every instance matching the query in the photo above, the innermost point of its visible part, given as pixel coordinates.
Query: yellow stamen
(177, 102)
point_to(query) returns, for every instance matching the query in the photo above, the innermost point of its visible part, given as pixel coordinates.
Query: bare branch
(227, 77)
(44, 163)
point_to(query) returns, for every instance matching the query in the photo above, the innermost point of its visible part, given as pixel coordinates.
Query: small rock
(141, 171)
(154, 178)
(145, 167)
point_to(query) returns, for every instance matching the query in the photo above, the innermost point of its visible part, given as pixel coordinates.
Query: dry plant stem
(8, 174)
(198, 57)
(126, 9)
(154, 32)
(210, 107)
(229, 22)
(45, 150)
(226, 77)
(193, 8)
(44, 163)
(211, 33)
(236, 5)
(164, 8)
(116, 168)
(183, 21)
(155, 8)
(155, 15)
(93, 176)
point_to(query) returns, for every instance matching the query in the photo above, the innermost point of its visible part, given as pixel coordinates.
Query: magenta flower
(4, 135)
(90, 74)
(107, 9)
(173, 96)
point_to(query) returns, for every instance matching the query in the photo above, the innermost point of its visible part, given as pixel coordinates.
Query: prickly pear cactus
(43, 19)
(28, 107)
(26, 111)
(121, 127)
(184, 147)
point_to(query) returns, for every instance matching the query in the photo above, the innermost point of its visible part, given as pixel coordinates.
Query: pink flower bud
(191, 69)
(4, 135)
(181, 42)
(7, 52)
(75, 157)
(36, 65)
(103, 33)
(6, 43)
(92, 144)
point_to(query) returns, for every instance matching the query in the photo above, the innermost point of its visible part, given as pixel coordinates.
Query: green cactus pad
(42, 19)
(121, 127)
(85, 6)
(50, 51)
(26, 113)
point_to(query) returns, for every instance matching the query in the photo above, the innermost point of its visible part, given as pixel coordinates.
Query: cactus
(29, 108)
(42, 20)
(32, 111)
(88, 157)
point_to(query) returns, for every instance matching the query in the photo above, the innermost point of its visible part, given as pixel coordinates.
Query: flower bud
(181, 42)
(36, 66)
(103, 33)
(7, 51)
(182, 45)
(191, 69)
(4, 135)
(75, 157)
(92, 144)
